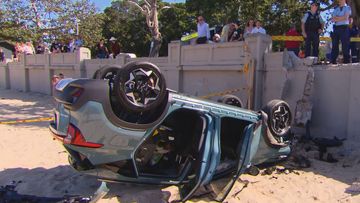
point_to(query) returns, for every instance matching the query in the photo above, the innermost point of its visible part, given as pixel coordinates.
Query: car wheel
(279, 117)
(140, 87)
(231, 100)
(106, 72)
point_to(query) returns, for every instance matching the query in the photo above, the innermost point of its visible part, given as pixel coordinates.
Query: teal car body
(186, 141)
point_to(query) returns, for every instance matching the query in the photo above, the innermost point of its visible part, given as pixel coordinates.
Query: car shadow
(62, 182)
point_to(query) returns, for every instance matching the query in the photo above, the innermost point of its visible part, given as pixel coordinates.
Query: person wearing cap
(340, 17)
(114, 47)
(312, 26)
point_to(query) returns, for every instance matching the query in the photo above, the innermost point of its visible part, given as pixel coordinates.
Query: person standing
(55, 47)
(78, 43)
(102, 51)
(354, 46)
(239, 33)
(225, 32)
(40, 48)
(72, 45)
(114, 47)
(340, 17)
(202, 30)
(258, 28)
(293, 45)
(312, 26)
(29, 49)
(249, 27)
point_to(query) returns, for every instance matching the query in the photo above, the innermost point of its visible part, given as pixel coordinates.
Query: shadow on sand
(63, 182)
(22, 106)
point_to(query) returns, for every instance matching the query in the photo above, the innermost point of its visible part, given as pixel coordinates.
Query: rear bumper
(55, 133)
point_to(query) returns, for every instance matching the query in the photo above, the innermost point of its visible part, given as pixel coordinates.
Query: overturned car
(124, 125)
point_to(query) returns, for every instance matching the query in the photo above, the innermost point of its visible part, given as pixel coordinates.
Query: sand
(38, 164)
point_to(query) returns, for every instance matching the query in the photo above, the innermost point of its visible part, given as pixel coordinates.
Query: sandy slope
(28, 154)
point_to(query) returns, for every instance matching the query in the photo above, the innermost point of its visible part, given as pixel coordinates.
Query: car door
(220, 187)
(201, 168)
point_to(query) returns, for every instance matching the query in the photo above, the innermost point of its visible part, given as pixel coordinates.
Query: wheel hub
(142, 87)
(281, 118)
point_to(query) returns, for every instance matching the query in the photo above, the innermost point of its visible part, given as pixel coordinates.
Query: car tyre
(106, 72)
(279, 117)
(140, 87)
(231, 100)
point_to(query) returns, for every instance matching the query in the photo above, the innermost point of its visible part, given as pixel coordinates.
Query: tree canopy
(23, 20)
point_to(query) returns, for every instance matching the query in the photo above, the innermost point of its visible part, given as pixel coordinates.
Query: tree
(174, 23)
(215, 12)
(42, 19)
(128, 25)
(149, 9)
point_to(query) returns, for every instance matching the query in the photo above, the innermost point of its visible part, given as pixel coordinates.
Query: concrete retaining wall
(335, 96)
(34, 72)
(246, 69)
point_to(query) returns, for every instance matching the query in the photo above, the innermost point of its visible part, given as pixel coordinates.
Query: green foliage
(173, 23)
(128, 25)
(215, 12)
(23, 20)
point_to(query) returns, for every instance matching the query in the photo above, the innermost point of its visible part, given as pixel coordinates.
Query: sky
(102, 4)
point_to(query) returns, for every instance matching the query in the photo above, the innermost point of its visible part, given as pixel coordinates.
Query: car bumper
(57, 135)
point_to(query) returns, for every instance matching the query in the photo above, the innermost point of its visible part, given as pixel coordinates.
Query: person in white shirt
(29, 49)
(202, 30)
(258, 28)
(249, 27)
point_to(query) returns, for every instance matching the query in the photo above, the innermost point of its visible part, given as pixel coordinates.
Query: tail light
(74, 137)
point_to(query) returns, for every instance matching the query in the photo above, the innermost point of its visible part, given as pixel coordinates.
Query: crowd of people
(312, 26)
(102, 51)
(28, 48)
(230, 32)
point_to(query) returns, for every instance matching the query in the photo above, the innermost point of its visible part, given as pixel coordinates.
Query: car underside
(124, 126)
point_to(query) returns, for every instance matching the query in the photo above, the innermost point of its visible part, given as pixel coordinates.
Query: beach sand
(38, 165)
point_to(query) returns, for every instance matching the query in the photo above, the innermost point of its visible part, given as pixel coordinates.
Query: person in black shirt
(55, 47)
(102, 51)
(40, 48)
(312, 26)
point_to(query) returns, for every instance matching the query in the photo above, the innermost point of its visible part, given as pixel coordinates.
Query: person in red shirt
(293, 45)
